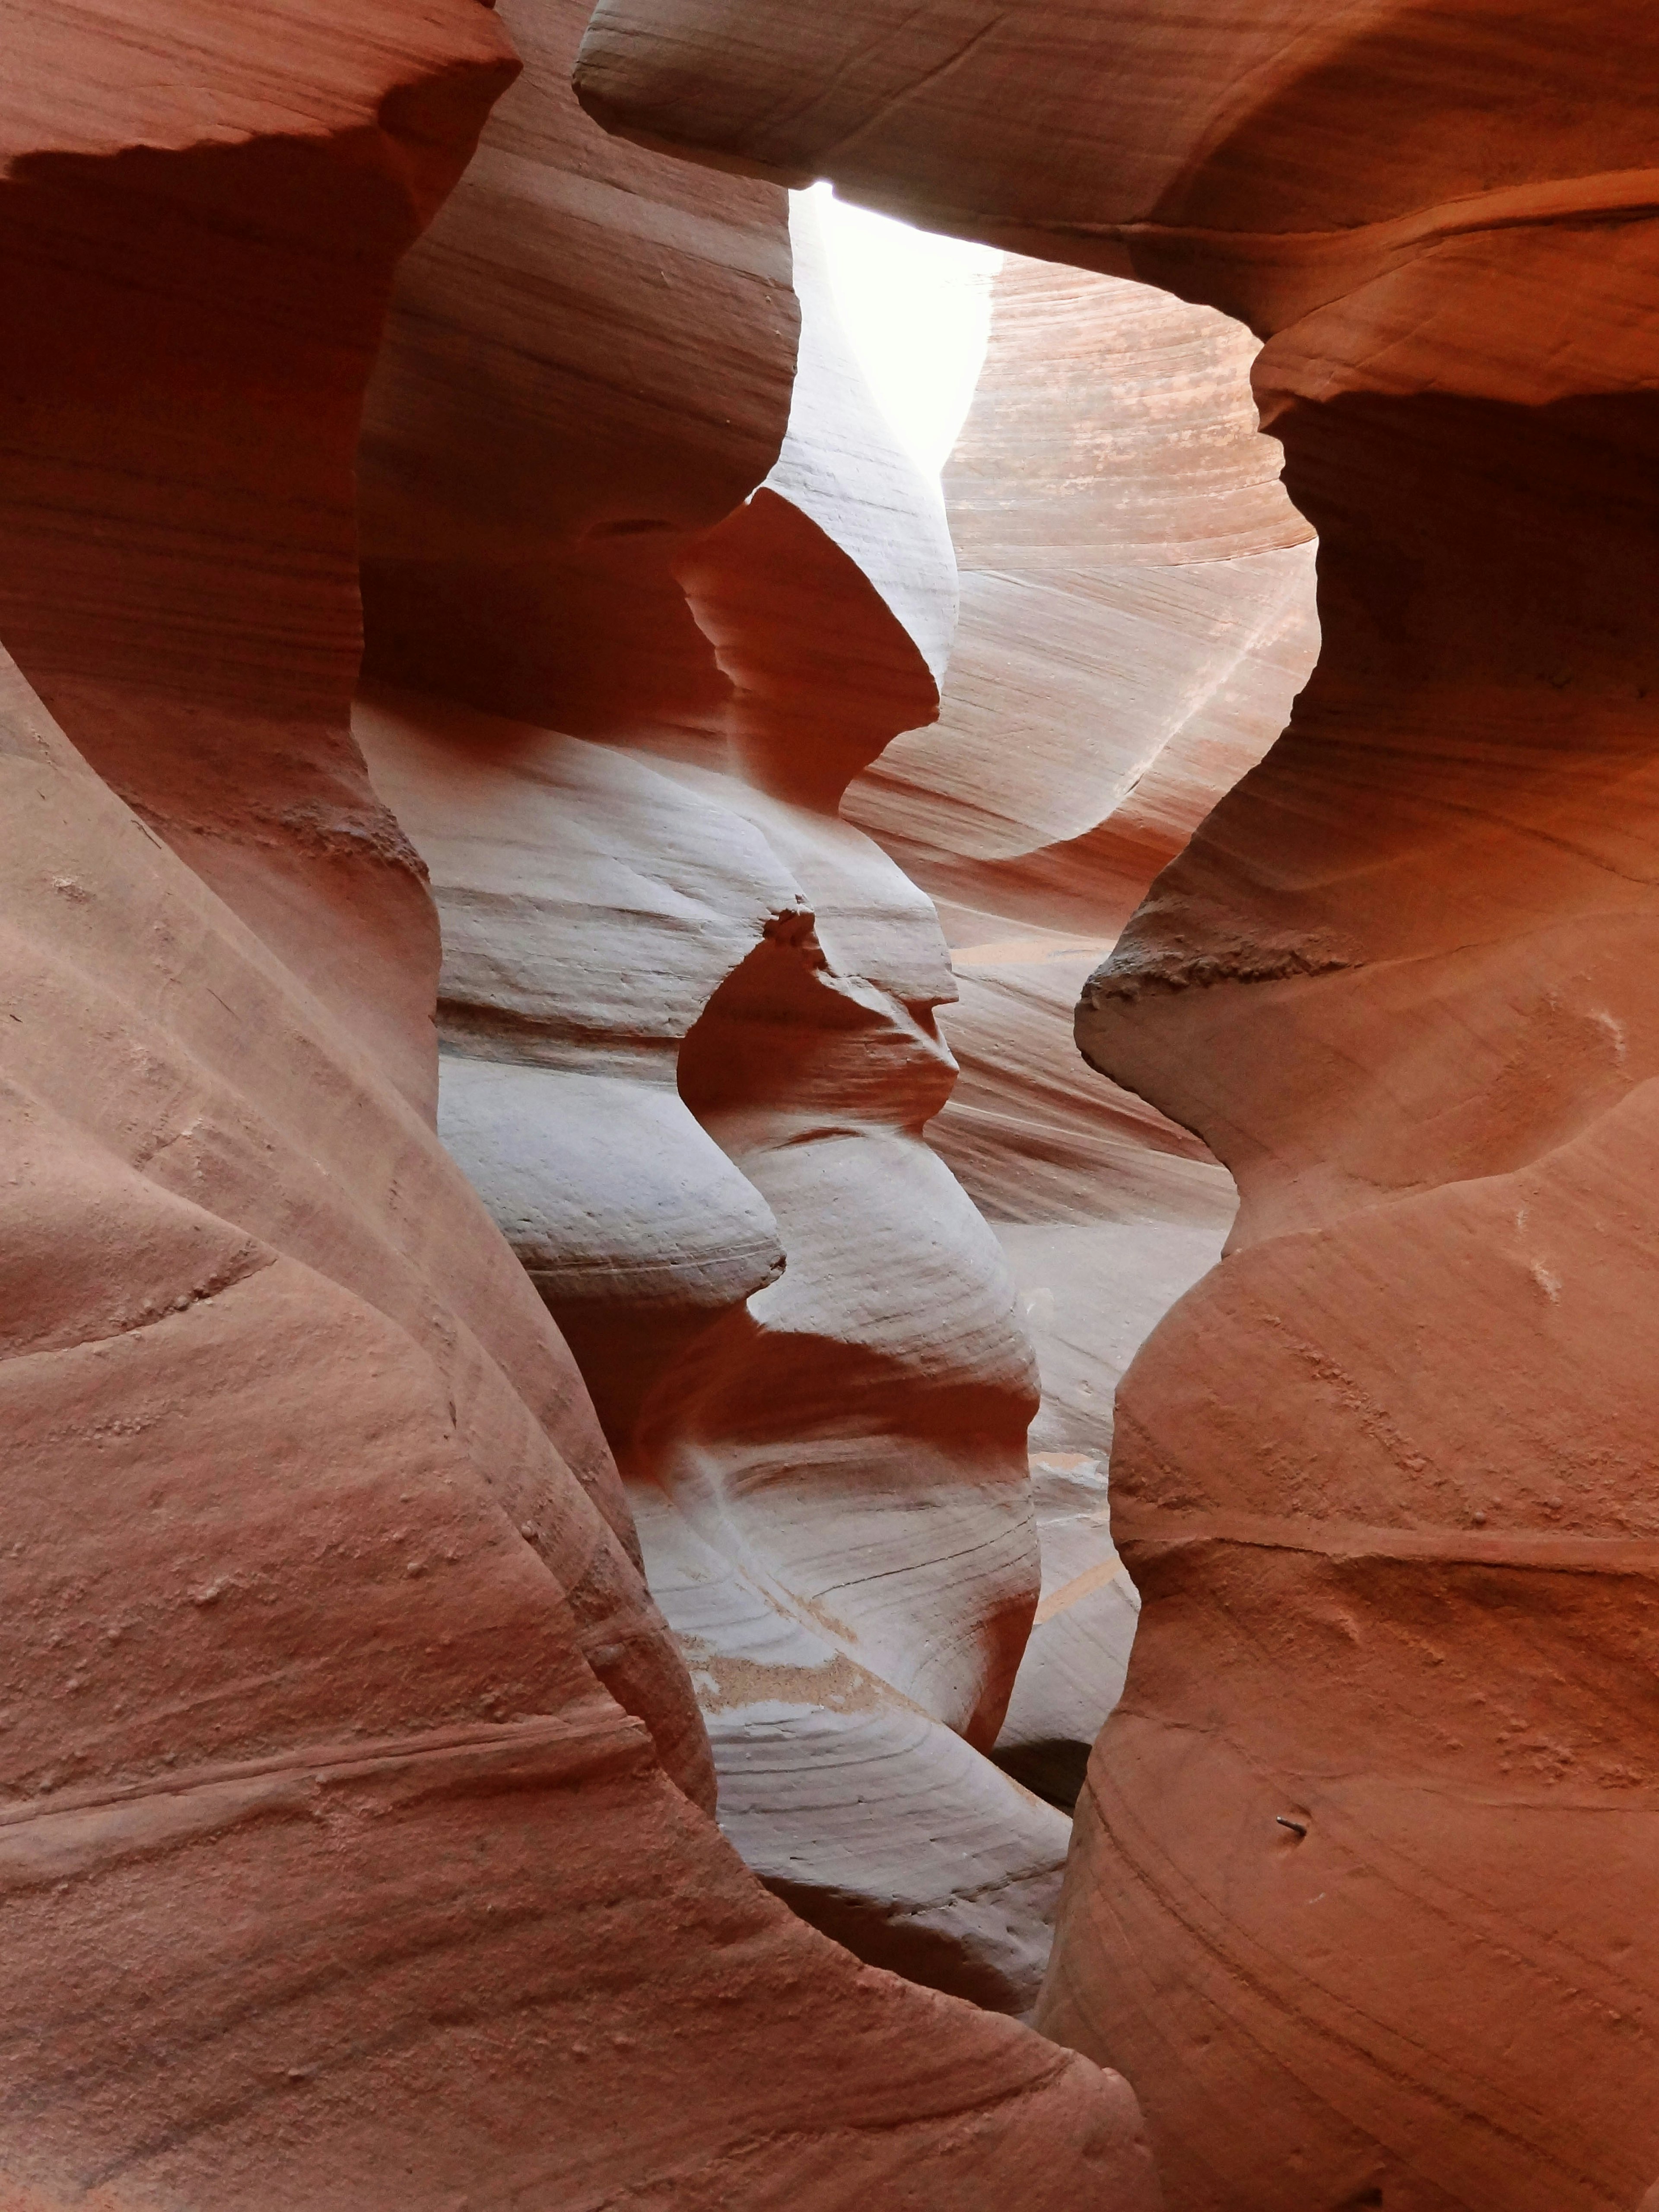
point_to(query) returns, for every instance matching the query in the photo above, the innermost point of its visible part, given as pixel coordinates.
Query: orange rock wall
(687, 1012)
(1361, 1885)
(351, 1832)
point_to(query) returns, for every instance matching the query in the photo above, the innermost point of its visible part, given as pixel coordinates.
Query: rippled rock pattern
(688, 1011)
(1362, 1891)
(354, 1838)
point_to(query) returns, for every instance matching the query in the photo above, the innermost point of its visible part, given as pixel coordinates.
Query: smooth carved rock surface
(1381, 1477)
(1137, 611)
(1137, 615)
(334, 1876)
(350, 1831)
(824, 1510)
(687, 1012)
(178, 554)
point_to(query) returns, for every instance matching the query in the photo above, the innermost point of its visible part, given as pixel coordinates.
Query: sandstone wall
(687, 1012)
(1361, 1889)
(351, 1831)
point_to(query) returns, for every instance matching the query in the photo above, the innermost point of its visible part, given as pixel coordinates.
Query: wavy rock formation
(1362, 1890)
(1137, 609)
(687, 1012)
(1137, 614)
(204, 461)
(331, 1870)
(350, 1838)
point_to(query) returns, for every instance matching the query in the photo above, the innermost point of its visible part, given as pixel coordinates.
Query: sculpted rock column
(1363, 1890)
(687, 1012)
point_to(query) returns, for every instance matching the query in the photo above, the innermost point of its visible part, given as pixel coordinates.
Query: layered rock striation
(688, 1011)
(332, 1865)
(1360, 1884)
(353, 1828)
(1137, 615)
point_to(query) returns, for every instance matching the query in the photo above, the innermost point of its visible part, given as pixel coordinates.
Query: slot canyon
(823, 1283)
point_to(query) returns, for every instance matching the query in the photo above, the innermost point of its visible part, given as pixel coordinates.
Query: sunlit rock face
(1137, 607)
(1361, 1894)
(688, 1010)
(1137, 616)
(353, 1829)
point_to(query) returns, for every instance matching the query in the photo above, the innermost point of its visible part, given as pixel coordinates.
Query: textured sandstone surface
(201, 214)
(353, 1839)
(688, 1011)
(1381, 1477)
(333, 1875)
(1137, 607)
(1137, 613)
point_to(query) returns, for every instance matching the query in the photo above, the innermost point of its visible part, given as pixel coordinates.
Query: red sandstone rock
(348, 1830)
(333, 1877)
(830, 1472)
(1361, 1894)
(199, 252)
(1137, 613)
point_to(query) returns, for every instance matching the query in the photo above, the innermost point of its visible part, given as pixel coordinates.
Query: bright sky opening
(917, 311)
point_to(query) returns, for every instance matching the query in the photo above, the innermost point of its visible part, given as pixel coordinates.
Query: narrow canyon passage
(697, 1028)
(827, 1240)
(355, 1793)
(1364, 1863)
(1136, 617)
